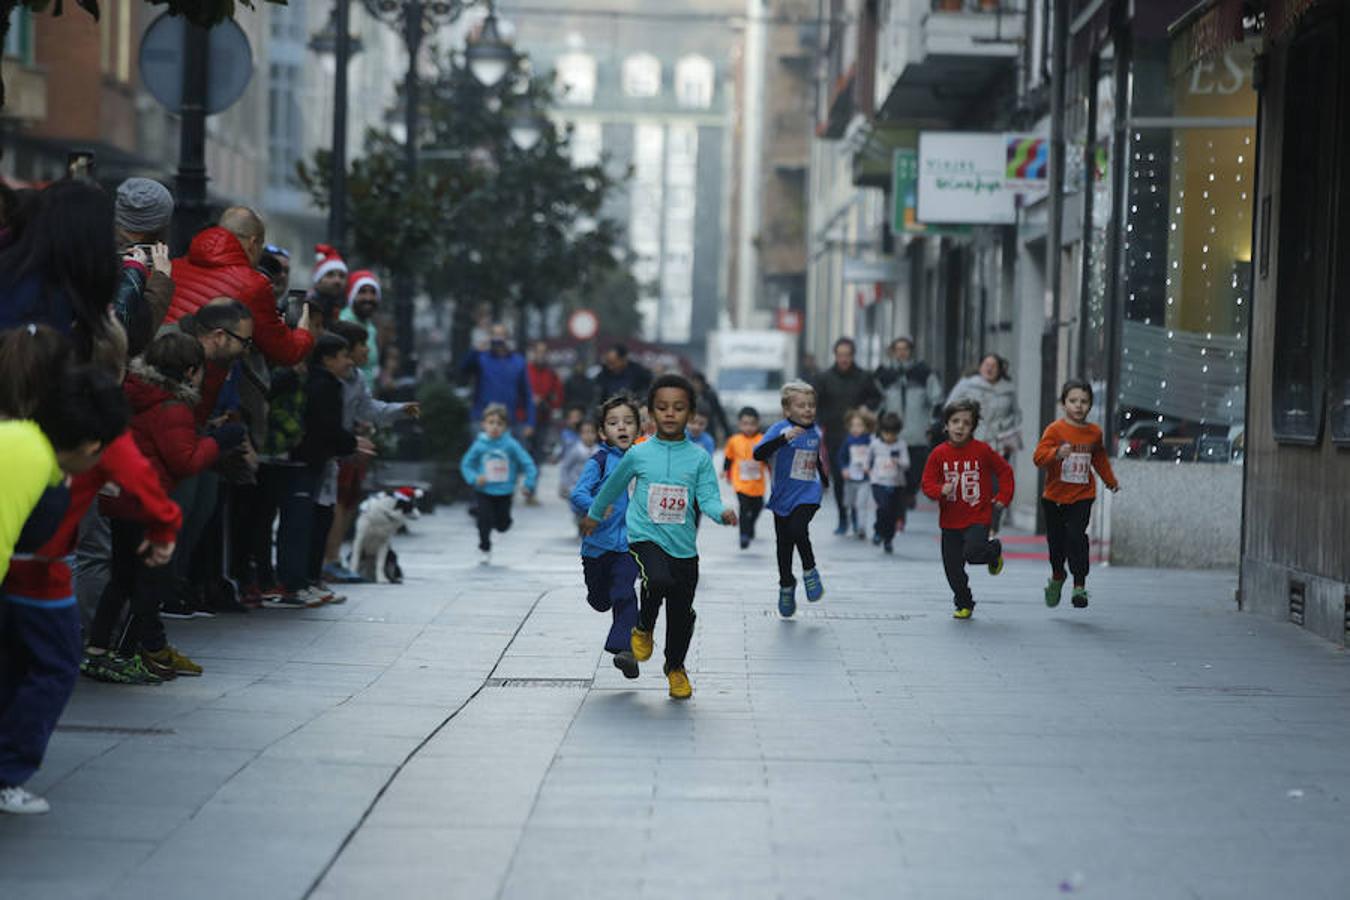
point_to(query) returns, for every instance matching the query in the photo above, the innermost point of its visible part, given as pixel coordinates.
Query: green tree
(483, 221)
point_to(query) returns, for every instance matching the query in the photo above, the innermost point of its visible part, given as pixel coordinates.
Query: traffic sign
(230, 63)
(583, 324)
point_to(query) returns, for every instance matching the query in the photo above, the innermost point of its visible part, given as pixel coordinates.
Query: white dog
(381, 516)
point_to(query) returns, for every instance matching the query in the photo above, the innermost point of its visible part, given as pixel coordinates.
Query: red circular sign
(583, 324)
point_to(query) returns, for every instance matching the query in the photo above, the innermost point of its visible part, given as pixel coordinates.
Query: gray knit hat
(144, 206)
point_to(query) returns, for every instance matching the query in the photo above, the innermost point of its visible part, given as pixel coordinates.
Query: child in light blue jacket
(492, 467)
(609, 569)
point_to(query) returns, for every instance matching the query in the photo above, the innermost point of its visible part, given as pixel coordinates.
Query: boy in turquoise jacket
(671, 474)
(492, 467)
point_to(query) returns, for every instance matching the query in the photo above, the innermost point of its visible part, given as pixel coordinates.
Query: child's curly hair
(614, 403)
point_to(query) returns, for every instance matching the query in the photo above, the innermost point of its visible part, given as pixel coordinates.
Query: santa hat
(327, 259)
(363, 278)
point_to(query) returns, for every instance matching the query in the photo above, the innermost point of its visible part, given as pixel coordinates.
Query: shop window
(1304, 251)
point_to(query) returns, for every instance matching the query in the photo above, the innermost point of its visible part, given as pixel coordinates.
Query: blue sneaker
(787, 601)
(842, 529)
(814, 589)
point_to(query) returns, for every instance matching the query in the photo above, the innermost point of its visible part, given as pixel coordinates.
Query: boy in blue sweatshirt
(671, 474)
(793, 448)
(852, 467)
(493, 465)
(605, 561)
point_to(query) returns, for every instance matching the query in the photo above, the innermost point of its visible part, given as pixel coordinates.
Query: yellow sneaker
(642, 644)
(170, 658)
(996, 566)
(964, 612)
(680, 688)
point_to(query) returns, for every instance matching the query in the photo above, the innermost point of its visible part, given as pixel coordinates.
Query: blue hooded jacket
(612, 535)
(488, 451)
(501, 379)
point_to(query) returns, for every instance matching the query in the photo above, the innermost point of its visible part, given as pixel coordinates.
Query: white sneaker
(485, 557)
(312, 596)
(20, 802)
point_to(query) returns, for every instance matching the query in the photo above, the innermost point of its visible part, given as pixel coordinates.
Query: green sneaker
(112, 669)
(1053, 589)
(1080, 598)
(996, 566)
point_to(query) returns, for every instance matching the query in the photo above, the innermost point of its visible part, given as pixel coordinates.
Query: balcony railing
(976, 6)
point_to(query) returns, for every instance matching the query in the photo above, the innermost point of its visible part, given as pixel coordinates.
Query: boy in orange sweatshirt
(959, 475)
(748, 476)
(1068, 451)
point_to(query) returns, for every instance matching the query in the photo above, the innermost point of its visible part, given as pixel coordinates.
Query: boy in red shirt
(1069, 450)
(960, 476)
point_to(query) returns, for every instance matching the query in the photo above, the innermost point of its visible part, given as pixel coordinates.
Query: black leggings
(132, 580)
(1066, 537)
(961, 546)
(751, 507)
(793, 534)
(888, 509)
(672, 580)
(494, 514)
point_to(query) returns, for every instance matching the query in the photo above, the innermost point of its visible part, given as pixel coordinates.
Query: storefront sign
(870, 270)
(962, 179)
(905, 197)
(1028, 163)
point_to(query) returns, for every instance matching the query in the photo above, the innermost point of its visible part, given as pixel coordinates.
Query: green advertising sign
(905, 197)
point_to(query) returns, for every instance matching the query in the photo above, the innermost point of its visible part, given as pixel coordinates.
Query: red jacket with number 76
(973, 466)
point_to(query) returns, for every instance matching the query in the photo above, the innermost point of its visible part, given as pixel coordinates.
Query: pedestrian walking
(839, 389)
(501, 377)
(670, 473)
(1069, 449)
(852, 467)
(609, 568)
(620, 375)
(888, 463)
(794, 449)
(1000, 416)
(960, 476)
(547, 389)
(493, 466)
(748, 476)
(913, 391)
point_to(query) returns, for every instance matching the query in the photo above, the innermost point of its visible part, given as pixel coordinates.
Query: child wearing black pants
(887, 466)
(493, 465)
(959, 475)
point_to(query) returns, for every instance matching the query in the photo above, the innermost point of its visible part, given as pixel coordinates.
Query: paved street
(463, 736)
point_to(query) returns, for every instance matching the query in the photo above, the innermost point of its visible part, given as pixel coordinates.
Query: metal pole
(1059, 66)
(191, 210)
(337, 190)
(412, 36)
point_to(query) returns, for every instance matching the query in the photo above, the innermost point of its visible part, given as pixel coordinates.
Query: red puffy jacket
(164, 427)
(216, 266)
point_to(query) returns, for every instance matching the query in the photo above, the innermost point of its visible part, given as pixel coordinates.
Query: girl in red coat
(162, 388)
(960, 476)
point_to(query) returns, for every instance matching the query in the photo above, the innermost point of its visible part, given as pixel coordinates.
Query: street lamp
(336, 38)
(489, 58)
(526, 128)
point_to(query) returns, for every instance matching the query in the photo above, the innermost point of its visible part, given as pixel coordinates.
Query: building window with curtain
(641, 76)
(576, 79)
(694, 82)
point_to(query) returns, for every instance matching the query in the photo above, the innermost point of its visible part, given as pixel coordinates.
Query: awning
(1207, 30)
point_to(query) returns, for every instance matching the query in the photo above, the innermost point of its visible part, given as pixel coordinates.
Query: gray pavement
(463, 735)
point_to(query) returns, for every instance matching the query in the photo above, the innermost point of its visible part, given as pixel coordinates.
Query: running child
(609, 569)
(698, 430)
(1068, 451)
(671, 474)
(493, 466)
(852, 463)
(793, 448)
(748, 476)
(887, 469)
(960, 476)
(575, 457)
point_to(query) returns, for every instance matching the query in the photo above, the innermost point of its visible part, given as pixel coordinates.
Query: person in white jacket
(1000, 417)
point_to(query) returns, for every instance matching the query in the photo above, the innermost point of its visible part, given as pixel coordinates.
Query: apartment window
(587, 144)
(19, 40)
(642, 75)
(576, 79)
(1305, 258)
(694, 82)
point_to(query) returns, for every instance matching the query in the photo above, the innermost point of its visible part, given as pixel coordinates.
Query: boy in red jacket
(163, 389)
(960, 476)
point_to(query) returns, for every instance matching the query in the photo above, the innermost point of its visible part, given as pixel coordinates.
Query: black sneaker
(176, 607)
(626, 663)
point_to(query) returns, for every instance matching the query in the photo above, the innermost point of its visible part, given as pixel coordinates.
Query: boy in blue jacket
(793, 449)
(493, 465)
(609, 569)
(671, 474)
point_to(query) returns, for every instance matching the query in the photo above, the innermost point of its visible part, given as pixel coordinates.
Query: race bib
(803, 465)
(497, 470)
(857, 462)
(1077, 469)
(667, 503)
(750, 470)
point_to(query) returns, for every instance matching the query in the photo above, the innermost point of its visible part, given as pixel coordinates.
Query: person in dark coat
(621, 375)
(840, 388)
(708, 399)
